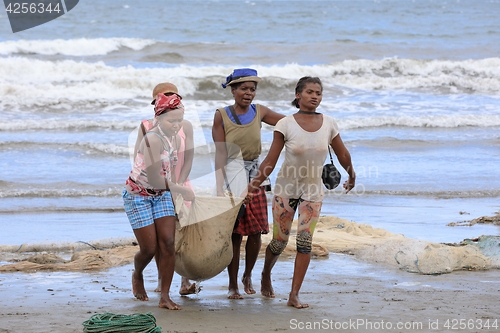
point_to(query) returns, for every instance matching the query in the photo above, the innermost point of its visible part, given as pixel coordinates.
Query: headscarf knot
(164, 103)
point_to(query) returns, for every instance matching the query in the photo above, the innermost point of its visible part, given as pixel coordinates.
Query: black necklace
(307, 112)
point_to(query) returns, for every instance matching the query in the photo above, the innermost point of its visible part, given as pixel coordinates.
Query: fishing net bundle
(415, 256)
(375, 245)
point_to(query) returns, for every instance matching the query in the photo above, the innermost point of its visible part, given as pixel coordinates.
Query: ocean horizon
(414, 87)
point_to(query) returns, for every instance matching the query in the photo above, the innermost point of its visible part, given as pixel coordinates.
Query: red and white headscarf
(164, 103)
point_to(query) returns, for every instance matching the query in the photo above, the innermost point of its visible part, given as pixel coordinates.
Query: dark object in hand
(241, 212)
(330, 176)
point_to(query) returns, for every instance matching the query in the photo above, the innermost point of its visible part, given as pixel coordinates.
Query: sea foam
(73, 47)
(54, 82)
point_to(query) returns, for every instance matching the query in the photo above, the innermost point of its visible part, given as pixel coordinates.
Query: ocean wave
(60, 193)
(73, 47)
(107, 148)
(359, 190)
(53, 82)
(441, 121)
(391, 142)
(57, 124)
(431, 121)
(52, 209)
(437, 76)
(437, 121)
(96, 147)
(110, 193)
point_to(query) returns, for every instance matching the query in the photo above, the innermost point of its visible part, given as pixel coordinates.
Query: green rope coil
(110, 322)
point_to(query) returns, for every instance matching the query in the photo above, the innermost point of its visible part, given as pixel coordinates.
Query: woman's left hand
(349, 184)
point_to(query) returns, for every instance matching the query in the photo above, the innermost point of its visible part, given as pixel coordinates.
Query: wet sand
(344, 295)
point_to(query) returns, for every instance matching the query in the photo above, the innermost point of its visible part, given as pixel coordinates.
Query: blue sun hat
(241, 75)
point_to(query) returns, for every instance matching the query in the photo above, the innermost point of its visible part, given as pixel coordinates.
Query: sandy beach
(60, 302)
(414, 87)
(344, 293)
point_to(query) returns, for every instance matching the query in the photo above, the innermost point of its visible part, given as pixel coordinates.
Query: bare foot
(158, 287)
(294, 301)
(266, 287)
(189, 289)
(166, 302)
(138, 287)
(247, 284)
(234, 294)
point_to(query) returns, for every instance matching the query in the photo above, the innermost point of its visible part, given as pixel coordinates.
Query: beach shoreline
(345, 294)
(339, 289)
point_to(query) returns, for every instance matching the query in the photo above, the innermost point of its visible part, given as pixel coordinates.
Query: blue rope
(338, 226)
(18, 249)
(95, 248)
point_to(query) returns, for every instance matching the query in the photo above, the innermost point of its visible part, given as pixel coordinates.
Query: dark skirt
(254, 221)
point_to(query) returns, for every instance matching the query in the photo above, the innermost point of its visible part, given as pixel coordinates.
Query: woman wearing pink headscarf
(148, 197)
(183, 167)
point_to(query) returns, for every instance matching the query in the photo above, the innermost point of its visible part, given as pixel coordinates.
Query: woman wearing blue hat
(236, 133)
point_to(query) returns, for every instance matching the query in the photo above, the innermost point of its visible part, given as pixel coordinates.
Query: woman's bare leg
(308, 217)
(157, 260)
(301, 264)
(282, 224)
(266, 287)
(187, 288)
(146, 237)
(233, 268)
(252, 249)
(165, 228)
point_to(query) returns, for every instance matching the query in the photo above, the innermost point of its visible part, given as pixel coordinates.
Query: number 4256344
(456, 324)
(32, 8)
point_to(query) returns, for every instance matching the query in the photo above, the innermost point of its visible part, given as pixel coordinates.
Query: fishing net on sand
(489, 246)
(203, 245)
(383, 247)
(79, 261)
(432, 258)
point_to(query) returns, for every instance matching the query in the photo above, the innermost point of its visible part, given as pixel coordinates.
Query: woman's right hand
(248, 198)
(247, 195)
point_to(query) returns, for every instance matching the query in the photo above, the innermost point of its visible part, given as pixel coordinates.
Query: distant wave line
(73, 47)
(358, 190)
(438, 121)
(105, 148)
(62, 210)
(57, 124)
(99, 147)
(60, 193)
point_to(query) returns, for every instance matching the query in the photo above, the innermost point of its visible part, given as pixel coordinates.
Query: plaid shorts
(143, 210)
